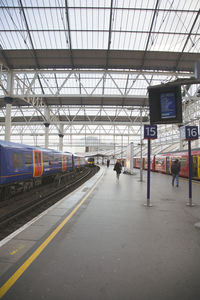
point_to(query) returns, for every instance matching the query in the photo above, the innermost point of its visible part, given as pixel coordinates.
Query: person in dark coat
(108, 163)
(175, 169)
(118, 168)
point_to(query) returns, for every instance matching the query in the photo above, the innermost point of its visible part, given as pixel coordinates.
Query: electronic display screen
(168, 105)
(165, 104)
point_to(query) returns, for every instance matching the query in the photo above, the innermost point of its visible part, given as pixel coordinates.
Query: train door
(37, 163)
(194, 166)
(64, 163)
(167, 164)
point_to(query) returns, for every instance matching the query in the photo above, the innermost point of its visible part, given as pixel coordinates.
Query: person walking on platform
(118, 168)
(175, 169)
(108, 163)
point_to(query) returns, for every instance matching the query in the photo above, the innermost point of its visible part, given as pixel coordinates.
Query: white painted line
(12, 235)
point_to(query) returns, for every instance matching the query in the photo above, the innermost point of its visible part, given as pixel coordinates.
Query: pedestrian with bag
(118, 168)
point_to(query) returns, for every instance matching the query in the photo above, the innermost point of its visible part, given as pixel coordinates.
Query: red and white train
(162, 162)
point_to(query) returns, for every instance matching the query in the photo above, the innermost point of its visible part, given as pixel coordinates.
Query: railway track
(17, 214)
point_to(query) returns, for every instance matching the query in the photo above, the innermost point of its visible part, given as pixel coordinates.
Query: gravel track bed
(8, 224)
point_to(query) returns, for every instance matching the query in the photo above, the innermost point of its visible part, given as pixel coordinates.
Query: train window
(28, 159)
(45, 158)
(39, 158)
(90, 159)
(159, 161)
(17, 160)
(50, 159)
(56, 158)
(64, 158)
(69, 160)
(59, 159)
(183, 162)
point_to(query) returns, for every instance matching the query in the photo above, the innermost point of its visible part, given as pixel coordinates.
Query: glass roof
(153, 25)
(135, 25)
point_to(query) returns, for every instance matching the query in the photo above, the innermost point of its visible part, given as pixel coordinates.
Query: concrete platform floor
(115, 248)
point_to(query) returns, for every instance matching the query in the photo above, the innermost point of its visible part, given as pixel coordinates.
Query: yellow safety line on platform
(9, 283)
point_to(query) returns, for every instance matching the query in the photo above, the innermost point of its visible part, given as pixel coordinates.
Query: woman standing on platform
(118, 168)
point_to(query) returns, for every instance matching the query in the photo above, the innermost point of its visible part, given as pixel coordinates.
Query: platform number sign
(150, 132)
(191, 133)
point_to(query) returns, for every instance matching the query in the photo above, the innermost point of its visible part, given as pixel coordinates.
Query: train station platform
(101, 242)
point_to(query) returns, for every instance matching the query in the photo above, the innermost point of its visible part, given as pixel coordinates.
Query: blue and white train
(23, 164)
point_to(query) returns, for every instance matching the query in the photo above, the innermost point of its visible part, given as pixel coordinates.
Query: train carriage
(24, 166)
(16, 162)
(137, 163)
(162, 162)
(78, 161)
(90, 161)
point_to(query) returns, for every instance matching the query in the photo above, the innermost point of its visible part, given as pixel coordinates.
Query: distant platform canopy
(98, 59)
(85, 100)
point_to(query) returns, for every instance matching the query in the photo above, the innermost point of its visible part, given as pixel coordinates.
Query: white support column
(61, 135)
(71, 137)
(128, 134)
(61, 142)
(180, 140)
(46, 135)
(122, 147)
(141, 144)
(8, 101)
(114, 141)
(85, 139)
(46, 124)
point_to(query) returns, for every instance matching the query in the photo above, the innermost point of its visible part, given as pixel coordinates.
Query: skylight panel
(39, 40)
(10, 19)
(90, 83)
(89, 40)
(132, 20)
(89, 19)
(174, 22)
(14, 41)
(39, 3)
(193, 45)
(180, 5)
(71, 85)
(88, 3)
(9, 3)
(150, 4)
(132, 41)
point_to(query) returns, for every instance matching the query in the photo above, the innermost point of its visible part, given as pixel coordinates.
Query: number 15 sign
(150, 132)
